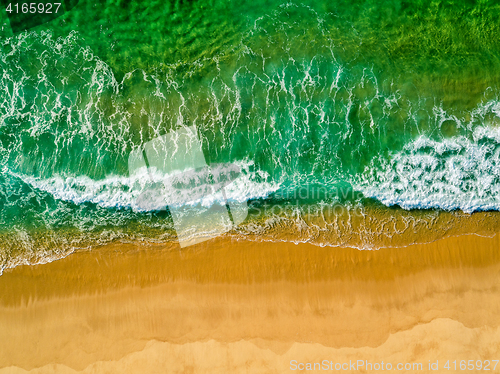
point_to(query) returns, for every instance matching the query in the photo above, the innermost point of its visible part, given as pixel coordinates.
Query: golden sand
(244, 307)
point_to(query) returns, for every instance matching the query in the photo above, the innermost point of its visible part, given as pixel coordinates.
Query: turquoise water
(376, 112)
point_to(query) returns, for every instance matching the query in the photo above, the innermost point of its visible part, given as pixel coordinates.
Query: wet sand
(243, 307)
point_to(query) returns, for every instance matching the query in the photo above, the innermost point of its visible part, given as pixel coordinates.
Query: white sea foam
(454, 173)
(122, 191)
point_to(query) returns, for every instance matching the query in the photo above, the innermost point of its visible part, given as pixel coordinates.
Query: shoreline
(377, 228)
(254, 306)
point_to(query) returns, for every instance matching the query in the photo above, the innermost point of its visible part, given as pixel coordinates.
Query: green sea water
(357, 123)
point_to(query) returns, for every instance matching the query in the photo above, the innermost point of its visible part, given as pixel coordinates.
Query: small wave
(454, 173)
(123, 191)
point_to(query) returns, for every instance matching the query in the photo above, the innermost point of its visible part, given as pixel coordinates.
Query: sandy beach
(244, 307)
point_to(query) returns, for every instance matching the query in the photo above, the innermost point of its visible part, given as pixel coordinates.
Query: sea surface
(353, 123)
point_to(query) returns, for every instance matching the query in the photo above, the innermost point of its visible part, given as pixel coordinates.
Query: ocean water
(353, 123)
